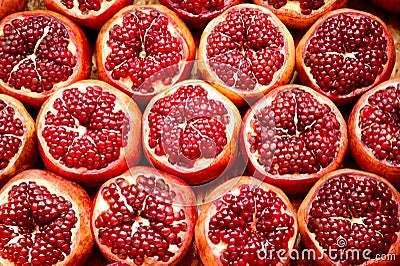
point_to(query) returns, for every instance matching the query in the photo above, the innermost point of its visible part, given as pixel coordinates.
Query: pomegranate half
(292, 137)
(91, 14)
(18, 144)
(300, 14)
(143, 50)
(41, 51)
(245, 52)
(191, 130)
(44, 220)
(374, 127)
(344, 54)
(89, 132)
(351, 217)
(246, 222)
(144, 217)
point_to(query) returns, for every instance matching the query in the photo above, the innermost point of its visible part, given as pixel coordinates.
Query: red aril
(374, 127)
(292, 137)
(91, 14)
(8, 7)
(246, 222)
(245, 52)
(197, 13)
(44, 220)
(191, 130)
(144, 217)
(40, 52)
(89, 132)
(344, 54)
(351, 217)
(300, 14)
(143, 50)
(18, 145)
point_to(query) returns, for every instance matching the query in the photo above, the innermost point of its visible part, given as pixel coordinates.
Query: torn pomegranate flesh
(36, 226)
(295, 134)
(85, 6)
(85, 129)
(187, 125)
(246, 48)
(197, 7)
(379, 123)
(142, 221)
(306, 6)
(347, 52)
(11, 133)
(35, 53)
(249, 220)
(142, 49)
(361, 211)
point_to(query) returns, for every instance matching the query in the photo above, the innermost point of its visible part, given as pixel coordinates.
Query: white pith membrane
(361, 51)
(342, 246)
(88, 107)
(264, 248)
(243, 46)
(270, 137)
(390, 119)
(201, 162)
(146, 55)
(57, 221)
(76, 11)
(135, 218)
(16, 117)
(293, 8)
(33, 59)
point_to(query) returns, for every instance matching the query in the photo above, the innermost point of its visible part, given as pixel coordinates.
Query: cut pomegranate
(144, 217)
(344, 54)
(191, 131)
(392, 6)
(292, 137)
(88, 13)
(18, 145)
(40, 52)
(300, 14)
(197, 13)
(245, 52)
(143, 50)
(8, 7)
(246, 222)
(374, 131)
(44, 220)
(351, 217)
(89, 132)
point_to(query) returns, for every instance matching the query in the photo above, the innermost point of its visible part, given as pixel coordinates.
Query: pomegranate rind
(185, 199)
(363, 155)
(27, 155)
(94, 19)
(392, 6)
(212, 169)
(198, 21)
(239, 97)
(11, 6)
(208, 251)
(291, 183)
(308, 238)
(291, 15)
(180, 30)
(83, 55)
(129, 156)
(307, 78)
(82, 243)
